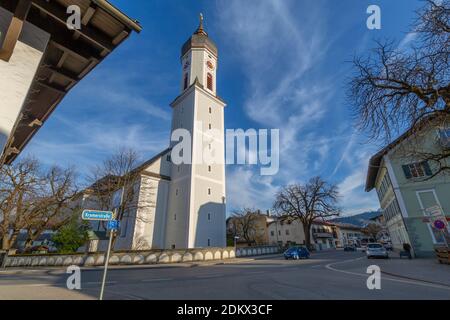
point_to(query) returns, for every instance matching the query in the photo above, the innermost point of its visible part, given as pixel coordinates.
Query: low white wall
(135, 257)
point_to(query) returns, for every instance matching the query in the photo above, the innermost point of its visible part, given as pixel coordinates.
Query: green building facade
(407, 185)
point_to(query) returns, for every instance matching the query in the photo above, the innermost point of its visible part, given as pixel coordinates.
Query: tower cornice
(196, 85)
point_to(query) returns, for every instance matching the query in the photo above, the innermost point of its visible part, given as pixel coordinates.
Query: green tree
(71, 236)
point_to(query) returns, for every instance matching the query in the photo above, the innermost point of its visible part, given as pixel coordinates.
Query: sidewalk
(422, 269)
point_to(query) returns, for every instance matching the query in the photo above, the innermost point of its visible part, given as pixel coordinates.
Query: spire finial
(200, 29)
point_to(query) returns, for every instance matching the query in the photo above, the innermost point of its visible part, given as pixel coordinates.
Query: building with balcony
(287, 231)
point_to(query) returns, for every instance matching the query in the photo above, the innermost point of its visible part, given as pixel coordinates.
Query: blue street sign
(97, 215)
(113, 225)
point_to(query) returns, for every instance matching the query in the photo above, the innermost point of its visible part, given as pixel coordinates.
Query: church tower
(196, 202)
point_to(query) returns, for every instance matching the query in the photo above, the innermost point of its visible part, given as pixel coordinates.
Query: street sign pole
(106, 264)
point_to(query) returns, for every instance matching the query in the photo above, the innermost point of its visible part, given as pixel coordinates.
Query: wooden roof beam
(61, 38)
(52, 87)
(14, 29)
(62, 72)
(59, 13)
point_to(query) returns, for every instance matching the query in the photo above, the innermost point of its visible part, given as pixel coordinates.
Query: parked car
(388, 246)
(350, 247)
(376, 250)
(296, 253)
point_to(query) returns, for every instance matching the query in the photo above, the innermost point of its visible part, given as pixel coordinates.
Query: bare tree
(246, 224)
(407, 87)
(34, 200)
(315, 200)
(372, 229)
(117, 183)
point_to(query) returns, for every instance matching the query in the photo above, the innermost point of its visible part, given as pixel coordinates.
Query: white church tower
(196, 202)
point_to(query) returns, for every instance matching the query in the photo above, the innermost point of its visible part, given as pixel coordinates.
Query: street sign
(113, 225)
(97, 215)
(434, 211)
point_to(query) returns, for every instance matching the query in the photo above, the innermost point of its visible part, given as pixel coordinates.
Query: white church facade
(183, 205)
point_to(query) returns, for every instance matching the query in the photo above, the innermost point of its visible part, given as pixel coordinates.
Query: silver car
(376, 250)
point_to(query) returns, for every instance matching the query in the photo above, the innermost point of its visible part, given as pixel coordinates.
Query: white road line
(418, 283)
(160, 279)
(99, 282)
(209, 276)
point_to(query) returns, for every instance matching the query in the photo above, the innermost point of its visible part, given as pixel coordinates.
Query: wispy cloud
(281, 47)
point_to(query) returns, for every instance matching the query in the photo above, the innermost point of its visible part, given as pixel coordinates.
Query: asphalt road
(326, 275)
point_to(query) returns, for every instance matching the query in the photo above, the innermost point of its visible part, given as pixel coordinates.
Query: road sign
(113, 225)
(434, 211)
(439, 224)
(97, 215)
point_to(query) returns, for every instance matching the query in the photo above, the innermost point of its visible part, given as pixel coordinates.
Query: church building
(183, 205)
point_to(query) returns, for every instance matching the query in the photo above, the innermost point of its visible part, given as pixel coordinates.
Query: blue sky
(282, 64)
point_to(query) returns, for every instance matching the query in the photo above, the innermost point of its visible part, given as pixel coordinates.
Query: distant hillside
(360, 219)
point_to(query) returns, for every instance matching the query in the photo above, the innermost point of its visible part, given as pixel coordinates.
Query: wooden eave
(68, 58)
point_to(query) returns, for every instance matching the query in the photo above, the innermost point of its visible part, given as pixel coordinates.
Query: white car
(376, 250)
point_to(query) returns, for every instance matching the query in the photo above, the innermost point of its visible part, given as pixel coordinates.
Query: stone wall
(135, 257)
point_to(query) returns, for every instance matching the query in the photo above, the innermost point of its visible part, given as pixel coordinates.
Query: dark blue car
(296, 253)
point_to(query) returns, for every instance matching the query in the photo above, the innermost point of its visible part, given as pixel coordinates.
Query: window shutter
(427, 168)
(406, 171)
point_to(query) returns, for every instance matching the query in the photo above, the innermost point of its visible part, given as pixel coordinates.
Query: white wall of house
(17, 74)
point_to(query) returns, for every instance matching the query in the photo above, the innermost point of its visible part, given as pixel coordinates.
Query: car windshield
(374, 246)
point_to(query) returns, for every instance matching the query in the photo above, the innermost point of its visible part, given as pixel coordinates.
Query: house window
(185, 85)
(209, 190)
(174, 217)
(209, 126)
(176, 192)
(272, 233)
(209, 216)
(209, 242)
(279, 232)
(173, 246)
(168, 157)
(209, 81)
(287, 232)
(417, 170)
(209, 168)
(210, 110)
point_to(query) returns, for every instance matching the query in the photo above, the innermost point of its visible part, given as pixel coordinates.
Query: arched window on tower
(209, 81)
(185, 85)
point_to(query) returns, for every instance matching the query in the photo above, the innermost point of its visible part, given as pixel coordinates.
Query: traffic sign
(113, 224)
(439, 224)
(97, 215)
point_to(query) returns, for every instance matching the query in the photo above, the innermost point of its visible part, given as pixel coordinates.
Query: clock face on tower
(210, 65)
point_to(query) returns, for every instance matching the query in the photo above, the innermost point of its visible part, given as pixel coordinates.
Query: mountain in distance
(360, 219)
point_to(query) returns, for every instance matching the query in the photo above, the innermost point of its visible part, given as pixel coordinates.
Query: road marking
(414, 282)
(210, 276)
(160, 279)
(99, 282)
